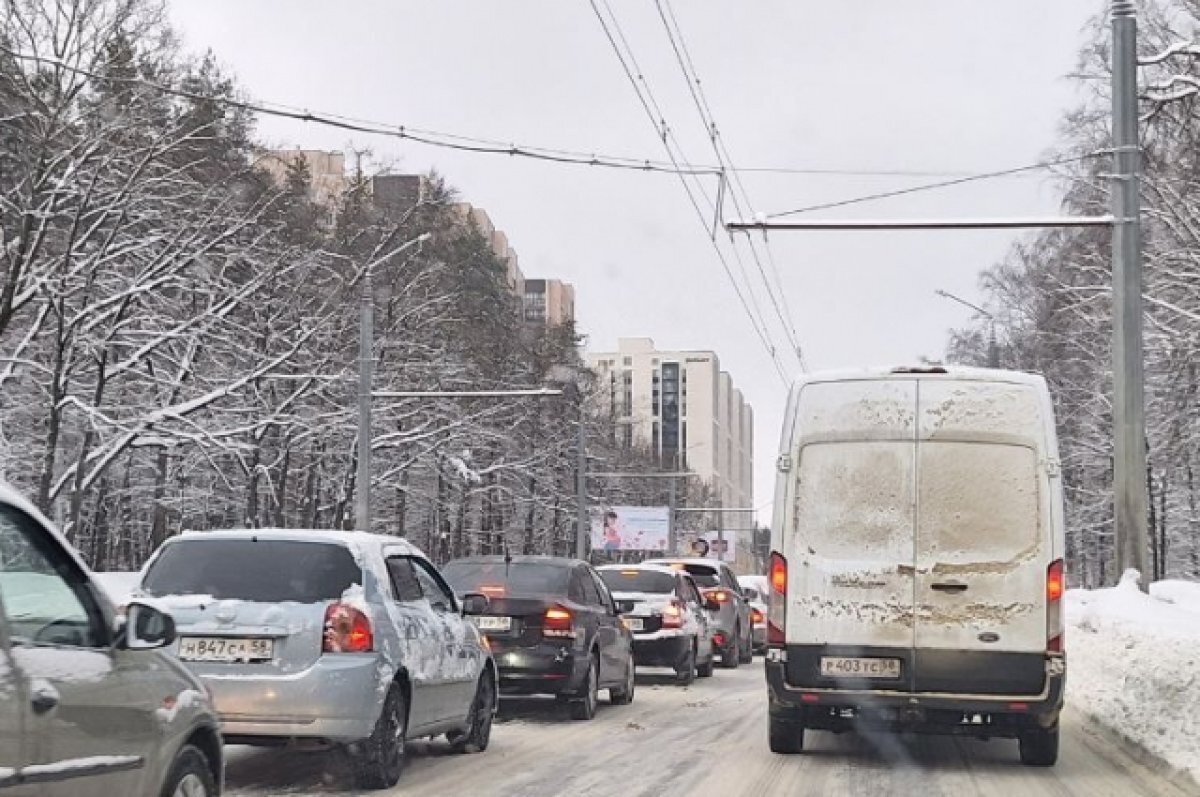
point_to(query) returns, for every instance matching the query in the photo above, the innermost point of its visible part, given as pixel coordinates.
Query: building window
(628, 362)
(535, 308)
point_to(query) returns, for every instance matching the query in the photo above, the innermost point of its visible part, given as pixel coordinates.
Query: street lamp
(993, 349)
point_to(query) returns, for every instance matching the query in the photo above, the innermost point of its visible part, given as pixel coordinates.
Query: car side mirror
(474, 603)
(712, 604)
(625, 607)
(147, 627)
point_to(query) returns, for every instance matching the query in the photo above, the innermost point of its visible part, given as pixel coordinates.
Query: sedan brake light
(347, 630)
(558, 622)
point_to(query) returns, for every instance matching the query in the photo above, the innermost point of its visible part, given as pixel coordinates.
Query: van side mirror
(474, 603)
(147, 627)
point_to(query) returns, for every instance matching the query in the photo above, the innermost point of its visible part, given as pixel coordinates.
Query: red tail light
(1056, 585)
(719, 595)
(347, 630)
(493, 590)
(558, 622)
(672, 616)
(777, 605)
(756, 616)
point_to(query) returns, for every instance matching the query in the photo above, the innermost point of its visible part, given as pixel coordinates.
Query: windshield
(633, 580)
(497, 579)
(267, 571)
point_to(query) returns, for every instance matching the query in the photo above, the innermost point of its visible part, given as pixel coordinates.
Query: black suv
(553, 627)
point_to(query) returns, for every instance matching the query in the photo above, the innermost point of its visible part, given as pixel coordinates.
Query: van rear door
(849, 543)
(983, 539)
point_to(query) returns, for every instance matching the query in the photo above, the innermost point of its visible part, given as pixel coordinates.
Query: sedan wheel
(479, 724)
(379, 759)
(190, 776)
(584, 707)
(623, 695)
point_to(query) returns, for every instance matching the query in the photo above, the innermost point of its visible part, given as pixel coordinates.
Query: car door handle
(45, 699)
(949, 586)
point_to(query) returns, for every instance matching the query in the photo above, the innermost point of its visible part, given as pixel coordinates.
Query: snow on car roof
(950, 372)
(686, 560)
(354, 539)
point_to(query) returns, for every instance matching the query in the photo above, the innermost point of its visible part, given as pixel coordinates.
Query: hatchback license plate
(491, 623)
(634, 623)
(226, 649)
(852, 667)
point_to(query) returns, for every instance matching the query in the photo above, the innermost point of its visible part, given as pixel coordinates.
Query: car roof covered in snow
(360, 540)
(653, 567)
(948, 372)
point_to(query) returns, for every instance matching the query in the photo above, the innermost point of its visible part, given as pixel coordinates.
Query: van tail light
(559, 623)
(347, 630)
(777, 604)
(1056, 585)
(672, 616)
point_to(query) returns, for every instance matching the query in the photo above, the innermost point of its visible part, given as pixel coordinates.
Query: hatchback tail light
(777, 605)
(1056, 585)
(672, 615)
(558, 622)
(347, 630)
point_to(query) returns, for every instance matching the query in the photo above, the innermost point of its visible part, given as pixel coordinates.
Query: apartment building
(686, 410)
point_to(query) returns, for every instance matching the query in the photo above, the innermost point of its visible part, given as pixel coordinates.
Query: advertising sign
(631, 528)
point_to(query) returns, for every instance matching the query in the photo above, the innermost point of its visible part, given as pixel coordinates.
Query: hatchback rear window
(633, 580)
(263, 571)
(497, 579)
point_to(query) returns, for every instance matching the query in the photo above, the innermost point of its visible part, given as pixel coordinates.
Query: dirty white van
(916, 572)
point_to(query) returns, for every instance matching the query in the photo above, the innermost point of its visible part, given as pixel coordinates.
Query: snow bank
(1133, 665)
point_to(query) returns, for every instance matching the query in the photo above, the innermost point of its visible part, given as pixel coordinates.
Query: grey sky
(925, 85)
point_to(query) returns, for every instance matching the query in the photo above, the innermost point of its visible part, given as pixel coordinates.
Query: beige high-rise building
(685, 409)
(549, 301)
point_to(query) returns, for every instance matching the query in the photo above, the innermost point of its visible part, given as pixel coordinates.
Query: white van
(916, 572)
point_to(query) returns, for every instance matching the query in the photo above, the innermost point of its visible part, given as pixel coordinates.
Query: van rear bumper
(941, 712)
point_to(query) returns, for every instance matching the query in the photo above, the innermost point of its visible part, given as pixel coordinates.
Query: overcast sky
(923, 86)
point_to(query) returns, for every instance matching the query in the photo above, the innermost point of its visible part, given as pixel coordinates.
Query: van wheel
(786, 736)
(190, 775)
(379, 759)
(1039, 747)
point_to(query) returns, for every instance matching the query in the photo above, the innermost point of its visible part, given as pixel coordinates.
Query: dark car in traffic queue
(668, 616)
(553, 627)
(731, 620)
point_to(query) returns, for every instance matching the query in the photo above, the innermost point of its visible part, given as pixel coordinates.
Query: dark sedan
(553, 627)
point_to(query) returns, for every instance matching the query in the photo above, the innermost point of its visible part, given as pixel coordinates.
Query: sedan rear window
(263, 571)
(497, 579)
(634, 580)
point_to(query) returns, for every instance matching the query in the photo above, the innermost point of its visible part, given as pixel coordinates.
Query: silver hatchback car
(87, 707)
(347, 638)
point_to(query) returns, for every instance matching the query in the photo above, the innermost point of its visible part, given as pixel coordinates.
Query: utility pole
(366, 368)
(581, 507)
(1129, 410)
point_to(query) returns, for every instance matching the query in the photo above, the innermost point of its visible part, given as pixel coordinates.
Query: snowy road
(710, 739)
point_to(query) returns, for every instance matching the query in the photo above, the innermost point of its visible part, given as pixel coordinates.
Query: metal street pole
(1129, 411)
(366, 367)
(993, 348)
(581, 507)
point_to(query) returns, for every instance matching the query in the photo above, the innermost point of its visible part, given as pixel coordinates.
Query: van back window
(264, 571)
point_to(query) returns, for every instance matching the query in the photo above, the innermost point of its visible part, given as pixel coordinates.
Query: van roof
(949, 372)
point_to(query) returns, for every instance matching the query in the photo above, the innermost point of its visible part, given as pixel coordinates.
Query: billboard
(631, 528)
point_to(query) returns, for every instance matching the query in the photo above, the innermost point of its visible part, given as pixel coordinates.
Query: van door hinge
(1053, 467)
(784, 463)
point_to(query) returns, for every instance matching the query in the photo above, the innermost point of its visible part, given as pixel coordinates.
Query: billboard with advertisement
(631, 528)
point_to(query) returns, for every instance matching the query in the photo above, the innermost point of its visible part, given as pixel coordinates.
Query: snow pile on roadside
(1133, 665)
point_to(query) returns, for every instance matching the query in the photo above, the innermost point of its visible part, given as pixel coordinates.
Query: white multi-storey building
(686, 410)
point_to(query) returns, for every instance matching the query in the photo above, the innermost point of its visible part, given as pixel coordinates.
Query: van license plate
(849, 667)
(225, 649)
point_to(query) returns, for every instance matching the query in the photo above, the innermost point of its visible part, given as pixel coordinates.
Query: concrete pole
(366, 367)
(582, 527)
(1129, 411)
